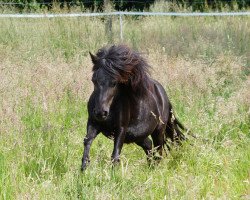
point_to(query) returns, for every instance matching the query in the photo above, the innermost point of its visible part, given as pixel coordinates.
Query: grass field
(45, 72)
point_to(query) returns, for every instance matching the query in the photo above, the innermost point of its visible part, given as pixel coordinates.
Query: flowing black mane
(123, 64)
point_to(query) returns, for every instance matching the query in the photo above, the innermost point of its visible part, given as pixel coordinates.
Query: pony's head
(114, 68)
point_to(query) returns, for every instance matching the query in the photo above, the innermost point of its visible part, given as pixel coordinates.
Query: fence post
(108, 24)
(121, 30)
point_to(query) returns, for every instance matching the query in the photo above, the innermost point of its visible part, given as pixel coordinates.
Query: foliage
(123, 5)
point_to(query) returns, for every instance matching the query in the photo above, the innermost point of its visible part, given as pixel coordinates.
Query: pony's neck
(136, 93)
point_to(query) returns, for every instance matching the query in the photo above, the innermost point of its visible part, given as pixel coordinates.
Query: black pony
(127, 105)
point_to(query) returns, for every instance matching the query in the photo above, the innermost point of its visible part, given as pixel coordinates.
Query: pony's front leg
(118, 143)
(92, 132)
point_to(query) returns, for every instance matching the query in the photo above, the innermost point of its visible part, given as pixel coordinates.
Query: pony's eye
(113, 84)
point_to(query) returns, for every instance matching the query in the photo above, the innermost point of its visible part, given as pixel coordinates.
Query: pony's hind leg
(146, 144)
(158, 137)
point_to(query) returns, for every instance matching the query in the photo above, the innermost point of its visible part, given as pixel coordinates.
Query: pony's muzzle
(100, 114)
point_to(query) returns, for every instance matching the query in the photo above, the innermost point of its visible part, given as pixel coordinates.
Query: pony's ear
(94, 58)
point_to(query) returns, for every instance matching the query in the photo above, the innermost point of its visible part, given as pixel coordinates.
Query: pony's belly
(139, 132)
(134, 133)
(109, 134)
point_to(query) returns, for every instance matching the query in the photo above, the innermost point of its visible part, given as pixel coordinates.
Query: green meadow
(45, 82)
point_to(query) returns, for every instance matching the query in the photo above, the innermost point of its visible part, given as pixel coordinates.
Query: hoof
(85, 163)
(83, 168)
(116, 161)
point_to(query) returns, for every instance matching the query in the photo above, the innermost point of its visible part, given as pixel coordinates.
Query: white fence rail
(176, 14)
(120, 14)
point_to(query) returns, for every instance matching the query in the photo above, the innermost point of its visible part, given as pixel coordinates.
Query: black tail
(175, 129)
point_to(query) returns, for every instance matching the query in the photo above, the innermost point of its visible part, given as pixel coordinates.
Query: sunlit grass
(45, 82)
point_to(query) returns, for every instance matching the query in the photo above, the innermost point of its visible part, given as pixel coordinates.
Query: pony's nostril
(100, 114)
(105, 113)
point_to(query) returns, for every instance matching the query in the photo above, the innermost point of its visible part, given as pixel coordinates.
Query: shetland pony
(127, 105)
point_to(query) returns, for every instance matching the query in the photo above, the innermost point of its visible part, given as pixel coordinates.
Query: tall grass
(45, 75)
